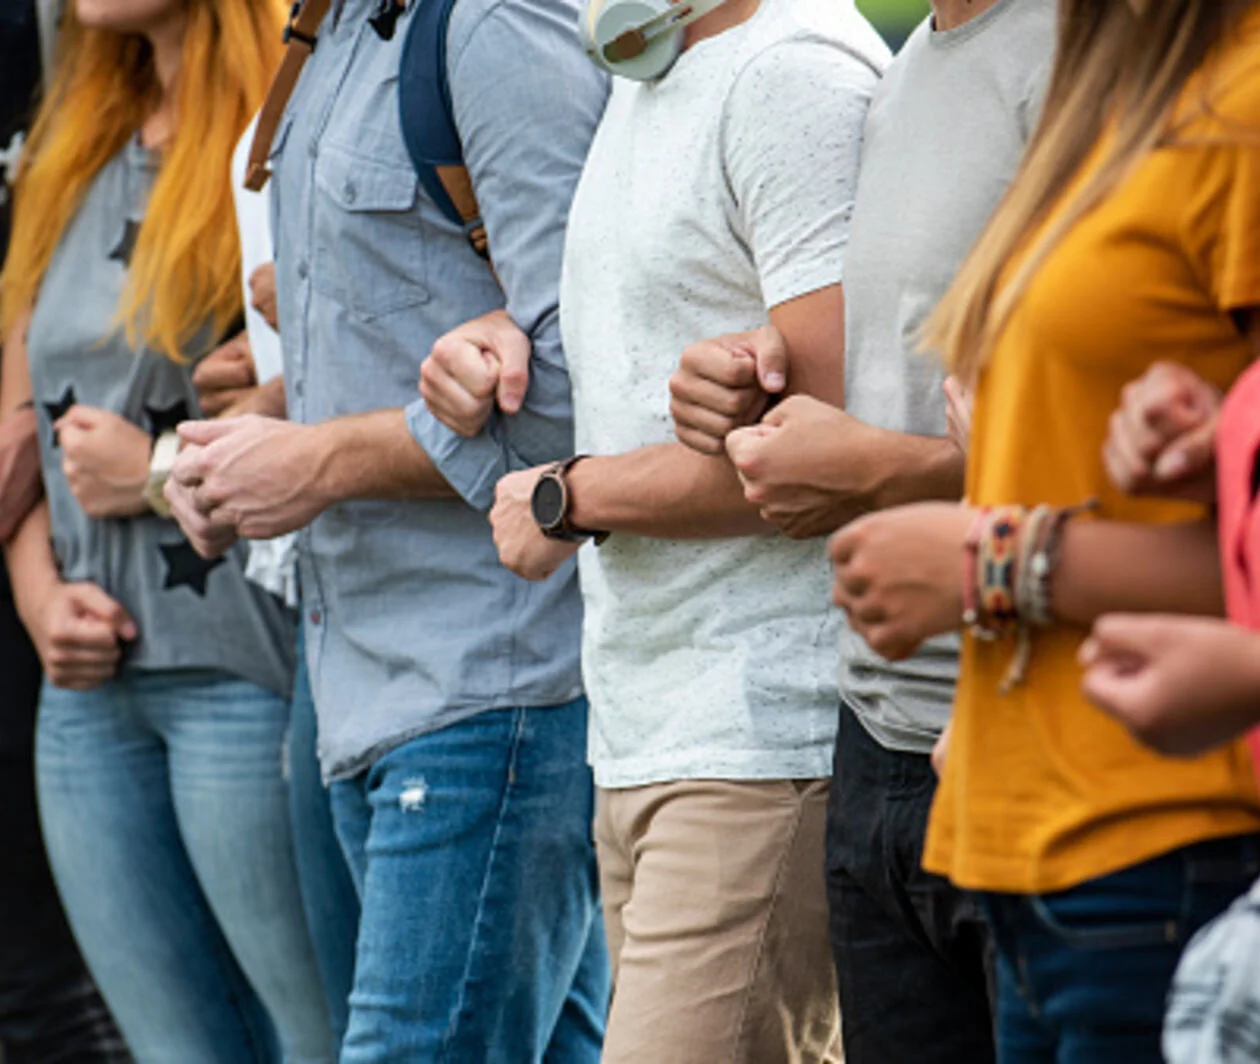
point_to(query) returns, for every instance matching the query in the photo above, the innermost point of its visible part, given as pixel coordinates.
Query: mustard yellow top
(1042, 791)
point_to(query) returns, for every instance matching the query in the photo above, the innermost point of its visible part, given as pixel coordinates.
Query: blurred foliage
(895, 18)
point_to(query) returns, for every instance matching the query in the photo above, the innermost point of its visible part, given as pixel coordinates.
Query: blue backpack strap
(428, 121)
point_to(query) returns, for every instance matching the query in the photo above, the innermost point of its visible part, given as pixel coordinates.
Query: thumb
(204, 433)
(78, 416)
(1121, 637)
(770, 350)
(89, 598)
(1188, 454)
(513, 354)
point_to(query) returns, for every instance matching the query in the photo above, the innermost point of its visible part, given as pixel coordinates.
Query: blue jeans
(1083, 974)
(328, 895)
(480, 937)
(167, 823)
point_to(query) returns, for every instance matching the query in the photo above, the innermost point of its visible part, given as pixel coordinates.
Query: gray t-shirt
(191, 613)
(943, 139)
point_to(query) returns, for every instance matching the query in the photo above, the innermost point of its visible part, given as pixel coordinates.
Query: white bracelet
(161, 463)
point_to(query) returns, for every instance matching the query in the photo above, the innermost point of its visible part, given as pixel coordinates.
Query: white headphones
(638, 39)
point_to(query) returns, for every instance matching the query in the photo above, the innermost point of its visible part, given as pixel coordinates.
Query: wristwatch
(161, 462)
(551, 503)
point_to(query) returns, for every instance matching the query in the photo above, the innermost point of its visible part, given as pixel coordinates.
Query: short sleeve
(792, 141)
(1234, 262)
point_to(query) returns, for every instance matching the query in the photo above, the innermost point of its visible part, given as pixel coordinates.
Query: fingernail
(775, 380)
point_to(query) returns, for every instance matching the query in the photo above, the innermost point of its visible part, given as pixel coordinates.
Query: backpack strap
(428, 121)
(299, 36)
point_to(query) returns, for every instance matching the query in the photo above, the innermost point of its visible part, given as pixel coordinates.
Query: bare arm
(1109, 567)
(373, 456)
(29, 556)
(672, 492)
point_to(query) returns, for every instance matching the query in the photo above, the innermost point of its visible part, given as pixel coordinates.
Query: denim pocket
(1138, 907)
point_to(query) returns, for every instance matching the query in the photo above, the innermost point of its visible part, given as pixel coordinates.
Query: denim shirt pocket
(369, 254)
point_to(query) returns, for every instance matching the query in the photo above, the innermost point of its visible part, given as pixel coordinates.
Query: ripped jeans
(480, 937)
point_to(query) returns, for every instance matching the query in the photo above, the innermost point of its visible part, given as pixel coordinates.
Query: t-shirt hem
(613, 775)
(999, 874)
(791, 284)
(344, 765)
(898, 740)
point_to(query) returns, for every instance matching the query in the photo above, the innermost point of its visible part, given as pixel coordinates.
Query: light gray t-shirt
(708, 198)
(191, 613)
(943, 139)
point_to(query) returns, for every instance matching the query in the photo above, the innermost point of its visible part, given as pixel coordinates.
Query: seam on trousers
(479, 918)
(777, 895)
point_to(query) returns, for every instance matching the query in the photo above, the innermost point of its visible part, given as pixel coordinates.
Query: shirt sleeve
(526, 101)
(792, 141)
(1233, 242)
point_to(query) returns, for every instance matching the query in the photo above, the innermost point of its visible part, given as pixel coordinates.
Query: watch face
(548, 502)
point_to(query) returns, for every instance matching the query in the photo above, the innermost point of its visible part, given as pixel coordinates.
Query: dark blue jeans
(328, 894)
(480, 937)
(910, 949)
(1083, 974)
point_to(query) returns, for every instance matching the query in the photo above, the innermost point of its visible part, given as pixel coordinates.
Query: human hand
(77, 630)
(20, 480)
(1161, 439)
(958, 405)
(522, 547)
(1182, 685)
(724, 384)
(225, 376)
(105, 459)
(262, 293)
(940, 750)
(482, 362)
(250, 476)
(899, 574)
(801, 466)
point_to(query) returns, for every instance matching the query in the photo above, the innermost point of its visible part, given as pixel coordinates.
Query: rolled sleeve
(526, 102)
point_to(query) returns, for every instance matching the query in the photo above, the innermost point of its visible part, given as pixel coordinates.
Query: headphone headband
(639, 39)
(634, 41)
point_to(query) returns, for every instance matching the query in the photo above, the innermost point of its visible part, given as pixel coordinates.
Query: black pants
(911, 951)
(50, 1010)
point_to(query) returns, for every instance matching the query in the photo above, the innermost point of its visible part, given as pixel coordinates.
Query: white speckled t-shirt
(709, 197)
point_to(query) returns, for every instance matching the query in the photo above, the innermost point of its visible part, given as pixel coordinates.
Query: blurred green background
(895, 18)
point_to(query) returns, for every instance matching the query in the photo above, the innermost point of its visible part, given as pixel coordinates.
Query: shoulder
(807, 62)
(478, 30)
(1223, 100)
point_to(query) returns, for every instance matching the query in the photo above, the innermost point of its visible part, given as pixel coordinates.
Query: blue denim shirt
(411, 622)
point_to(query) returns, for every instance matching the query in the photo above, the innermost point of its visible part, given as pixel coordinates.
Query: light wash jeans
(480, 940)
(166, 817)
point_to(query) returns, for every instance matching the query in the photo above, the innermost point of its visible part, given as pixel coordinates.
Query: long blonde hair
(185, 268)
(1119, 69)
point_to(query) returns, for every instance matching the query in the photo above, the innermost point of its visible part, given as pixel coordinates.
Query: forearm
(1110, 567)
(30, 561)
(373, 456)
(911, 469)
(666, 491)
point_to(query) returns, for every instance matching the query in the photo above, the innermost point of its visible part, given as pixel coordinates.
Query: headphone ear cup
(603, 21)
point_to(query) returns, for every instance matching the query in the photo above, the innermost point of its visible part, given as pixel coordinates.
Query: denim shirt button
(351, 193)
(299, 389)
(303, 270)
(316, 616)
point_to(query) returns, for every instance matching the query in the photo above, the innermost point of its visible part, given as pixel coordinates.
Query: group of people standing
(522, 516)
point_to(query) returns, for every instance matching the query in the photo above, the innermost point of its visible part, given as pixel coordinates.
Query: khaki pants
(716, 912)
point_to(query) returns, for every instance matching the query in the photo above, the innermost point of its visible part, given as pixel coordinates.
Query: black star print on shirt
(186, 568)
(126, 243)
(165, 418)
(58, 408)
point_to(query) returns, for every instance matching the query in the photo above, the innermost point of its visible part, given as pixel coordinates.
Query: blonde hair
(185, 268)
(1118, 70)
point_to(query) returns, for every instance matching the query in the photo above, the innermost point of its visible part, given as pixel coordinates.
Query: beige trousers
(716, 911)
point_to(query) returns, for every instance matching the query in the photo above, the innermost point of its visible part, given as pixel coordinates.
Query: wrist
(915, 469)
(584, 484)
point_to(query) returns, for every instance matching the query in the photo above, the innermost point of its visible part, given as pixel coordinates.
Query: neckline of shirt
(952, 38)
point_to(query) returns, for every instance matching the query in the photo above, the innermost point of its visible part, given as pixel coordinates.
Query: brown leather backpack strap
(459, 188)
(299, 35)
